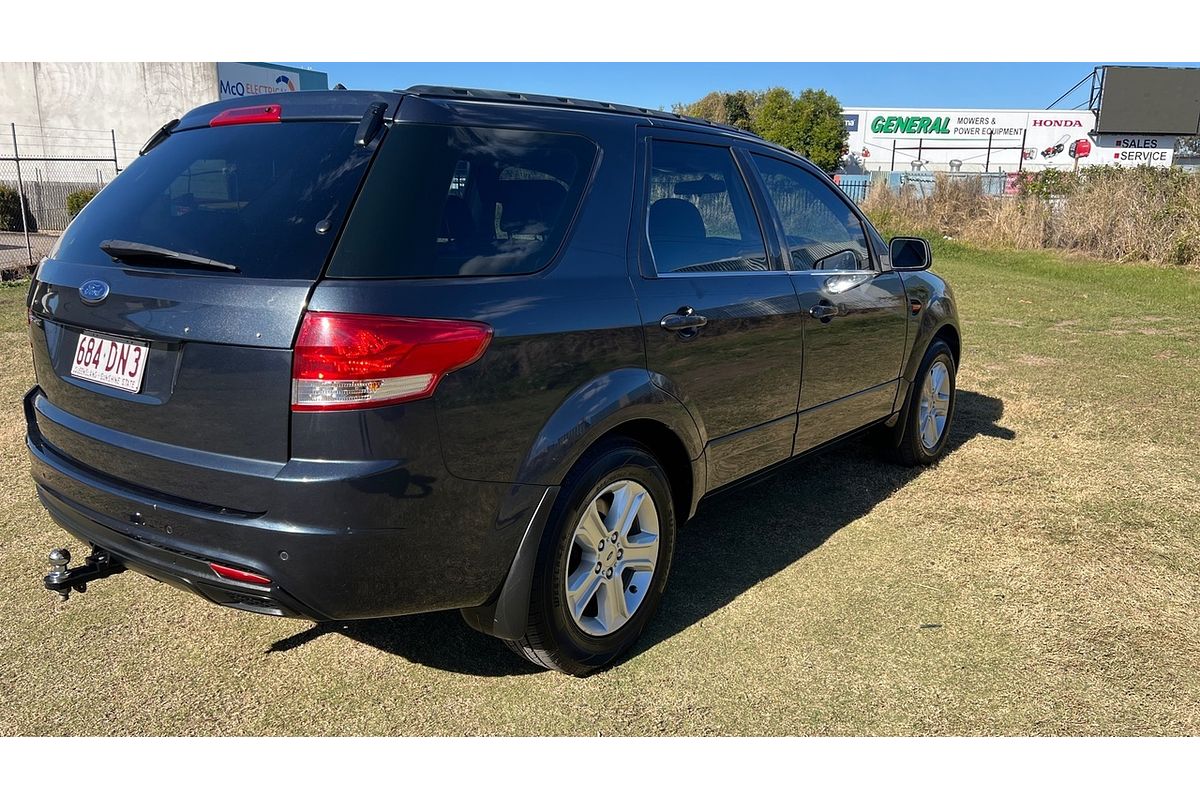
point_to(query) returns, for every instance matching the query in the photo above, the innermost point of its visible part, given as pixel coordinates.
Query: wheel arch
(670, 451)
(946, 332)
(938, 319)
(623, 403)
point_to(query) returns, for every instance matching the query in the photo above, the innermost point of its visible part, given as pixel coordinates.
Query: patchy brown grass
(1043, 579)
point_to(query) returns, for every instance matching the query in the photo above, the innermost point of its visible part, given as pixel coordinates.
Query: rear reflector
(348, 361)
(239, 575)
(247, 116)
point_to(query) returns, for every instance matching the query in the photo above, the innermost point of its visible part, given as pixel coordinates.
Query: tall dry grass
(1110, 213)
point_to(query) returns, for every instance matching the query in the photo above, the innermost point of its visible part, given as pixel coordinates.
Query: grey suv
(340, 355)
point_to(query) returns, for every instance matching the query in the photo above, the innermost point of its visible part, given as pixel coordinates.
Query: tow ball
(61, 580)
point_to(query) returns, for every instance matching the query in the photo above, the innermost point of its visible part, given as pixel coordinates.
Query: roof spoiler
(159, 137)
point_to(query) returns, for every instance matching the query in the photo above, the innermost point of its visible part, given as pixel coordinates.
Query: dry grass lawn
(1043, 579)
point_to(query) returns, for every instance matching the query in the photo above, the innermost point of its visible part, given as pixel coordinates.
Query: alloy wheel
(612, 558)
(935, 405)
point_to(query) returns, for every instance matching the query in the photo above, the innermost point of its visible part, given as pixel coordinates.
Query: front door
(856, 315)
(721, 318)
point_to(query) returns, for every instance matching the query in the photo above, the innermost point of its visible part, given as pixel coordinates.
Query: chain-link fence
(922, 184)
(46, 176)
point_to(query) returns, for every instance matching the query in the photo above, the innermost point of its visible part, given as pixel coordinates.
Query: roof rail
(524, 98)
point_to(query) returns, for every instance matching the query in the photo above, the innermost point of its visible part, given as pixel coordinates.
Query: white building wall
(49, 101)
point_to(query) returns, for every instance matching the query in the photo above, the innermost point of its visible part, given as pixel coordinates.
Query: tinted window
(248, 195)
(822, 232)
(444, 200)
(699, 216)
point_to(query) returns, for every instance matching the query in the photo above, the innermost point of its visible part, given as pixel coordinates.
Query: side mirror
(910, 253)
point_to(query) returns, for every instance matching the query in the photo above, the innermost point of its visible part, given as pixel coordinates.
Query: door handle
(683, 321)
(823, 312)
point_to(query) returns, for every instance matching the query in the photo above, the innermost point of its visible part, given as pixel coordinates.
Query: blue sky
(971, 85)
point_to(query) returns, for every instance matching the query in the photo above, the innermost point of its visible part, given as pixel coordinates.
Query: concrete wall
(133, 98)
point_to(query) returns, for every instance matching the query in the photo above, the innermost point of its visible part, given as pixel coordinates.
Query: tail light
(248, 115)
(347, 361)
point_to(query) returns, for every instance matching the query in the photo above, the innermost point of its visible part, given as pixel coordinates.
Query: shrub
(10, 210)
(77, 199)
(1140, 214)
(1113, 213)
(1048, 183)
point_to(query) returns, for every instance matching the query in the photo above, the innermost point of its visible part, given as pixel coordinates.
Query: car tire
(930, 414)
(595, 562)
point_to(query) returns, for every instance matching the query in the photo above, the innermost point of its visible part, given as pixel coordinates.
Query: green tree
(777, 119)
(725, 108)
(810, 124)
(710, 107)
(823, 133)
(739, 109)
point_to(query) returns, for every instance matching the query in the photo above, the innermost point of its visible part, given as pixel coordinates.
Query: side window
(821, 230)
(699, 214)
(444, 201)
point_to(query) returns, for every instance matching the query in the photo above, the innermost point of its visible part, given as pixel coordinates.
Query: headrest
(672, 218)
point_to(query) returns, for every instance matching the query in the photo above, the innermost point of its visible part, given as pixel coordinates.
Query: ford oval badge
(93, 292)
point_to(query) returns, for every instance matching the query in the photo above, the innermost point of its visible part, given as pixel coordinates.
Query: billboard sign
(246, 80)
(1153, 100)
(1031, 140)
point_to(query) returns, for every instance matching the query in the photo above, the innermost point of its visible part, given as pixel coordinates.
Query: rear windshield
(254, 196)
(445, 200)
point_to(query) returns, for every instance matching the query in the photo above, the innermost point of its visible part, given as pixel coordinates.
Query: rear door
(721, 319)
(204, 348)
(855, 313)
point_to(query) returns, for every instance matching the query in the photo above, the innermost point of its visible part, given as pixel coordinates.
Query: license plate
(118, 364)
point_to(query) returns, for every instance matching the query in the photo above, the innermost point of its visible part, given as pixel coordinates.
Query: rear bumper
(176, 568)
(453, 550)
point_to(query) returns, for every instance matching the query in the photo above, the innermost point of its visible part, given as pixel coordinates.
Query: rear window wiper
(124, 251)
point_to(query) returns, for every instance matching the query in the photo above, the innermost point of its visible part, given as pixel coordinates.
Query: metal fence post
(113, 131)
(21, 194)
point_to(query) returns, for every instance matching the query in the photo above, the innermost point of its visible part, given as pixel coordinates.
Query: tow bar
(100, 564)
